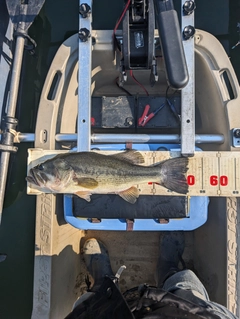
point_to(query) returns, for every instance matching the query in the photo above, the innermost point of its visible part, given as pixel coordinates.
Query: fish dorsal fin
(131, 156)
(84, 195)
(130, 195)
(86, 182)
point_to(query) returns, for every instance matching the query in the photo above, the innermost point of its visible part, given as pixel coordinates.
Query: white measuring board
(209, 173)
(214, 174)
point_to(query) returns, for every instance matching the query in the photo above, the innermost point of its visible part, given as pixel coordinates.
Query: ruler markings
(202, 171)
(235, 175)
(227, 176)
(219, 172)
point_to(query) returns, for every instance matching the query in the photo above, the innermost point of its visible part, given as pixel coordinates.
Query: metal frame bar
(124, 138)
(11, 109)
(84, 83)
(188, 93)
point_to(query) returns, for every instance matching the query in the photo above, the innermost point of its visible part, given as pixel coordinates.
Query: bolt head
(129, 121)
(188, 7)
(84, 10)
(84, 34)
(237, 133)
(188, 32)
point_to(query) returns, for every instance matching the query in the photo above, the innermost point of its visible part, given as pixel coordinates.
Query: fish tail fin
(173, 173)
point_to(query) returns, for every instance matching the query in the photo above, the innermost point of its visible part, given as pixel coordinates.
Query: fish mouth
(36, 177)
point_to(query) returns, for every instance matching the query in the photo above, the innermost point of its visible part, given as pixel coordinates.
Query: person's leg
(183, 283)
(186, 284)
(171, 248)
(97, 261)
(169, 276)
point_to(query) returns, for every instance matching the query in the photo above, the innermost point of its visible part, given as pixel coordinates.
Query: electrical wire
(121, 17)
(171, 105)
(138, 83)
(122, 88)
(172, 95)
(166, 94)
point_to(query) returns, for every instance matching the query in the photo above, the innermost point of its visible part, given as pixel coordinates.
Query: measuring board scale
(209, 173)
(214, 174)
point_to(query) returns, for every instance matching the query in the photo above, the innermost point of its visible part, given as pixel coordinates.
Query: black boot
(170, 253)
(97, 261)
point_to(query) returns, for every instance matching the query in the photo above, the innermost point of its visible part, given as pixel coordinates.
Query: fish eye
(40, 167)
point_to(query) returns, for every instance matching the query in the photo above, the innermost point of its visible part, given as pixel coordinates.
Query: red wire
(138, 83)
(121, 17)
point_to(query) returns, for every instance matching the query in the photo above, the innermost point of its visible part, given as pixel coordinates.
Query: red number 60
(223, 180)
(213, 180)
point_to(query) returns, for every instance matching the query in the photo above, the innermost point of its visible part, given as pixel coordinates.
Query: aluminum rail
(188, 92)
(84, 75)
(5, 155)
(142, 138)
(22, 15)
(124, 138)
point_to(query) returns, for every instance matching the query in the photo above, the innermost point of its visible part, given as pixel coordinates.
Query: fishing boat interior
(154, 83)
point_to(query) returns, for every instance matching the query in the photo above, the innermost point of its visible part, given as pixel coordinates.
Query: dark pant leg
(186, 281)
(186, 285)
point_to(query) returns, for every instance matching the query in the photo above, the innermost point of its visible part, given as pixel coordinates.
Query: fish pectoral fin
(86, 182)
(130, 195)
(130, 156)
(84, 195)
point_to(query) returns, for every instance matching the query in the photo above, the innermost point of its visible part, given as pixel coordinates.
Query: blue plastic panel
(197, 217)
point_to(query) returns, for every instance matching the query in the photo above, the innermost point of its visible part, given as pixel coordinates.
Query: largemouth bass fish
(87, 173)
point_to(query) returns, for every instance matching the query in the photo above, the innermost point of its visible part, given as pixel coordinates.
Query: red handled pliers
(142, 121)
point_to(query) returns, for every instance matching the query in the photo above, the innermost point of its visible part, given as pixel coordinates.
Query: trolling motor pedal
(138, 49)
(138, 39)
(138, 35)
